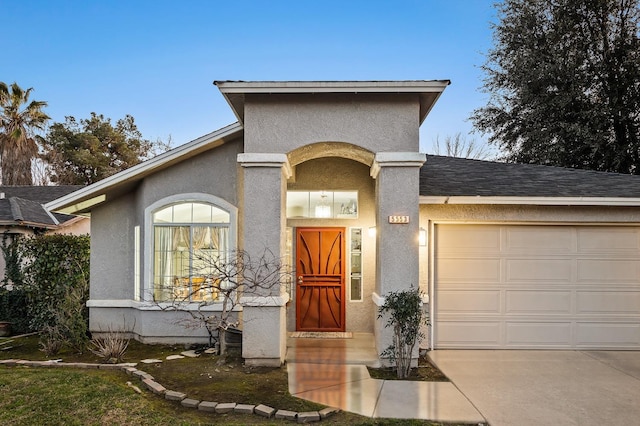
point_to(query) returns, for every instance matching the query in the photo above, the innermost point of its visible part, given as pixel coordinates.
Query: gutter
(534, 201)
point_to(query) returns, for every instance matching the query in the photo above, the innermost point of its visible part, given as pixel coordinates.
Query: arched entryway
(333, 257)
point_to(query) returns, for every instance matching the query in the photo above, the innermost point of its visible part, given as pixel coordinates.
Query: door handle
(300, 279)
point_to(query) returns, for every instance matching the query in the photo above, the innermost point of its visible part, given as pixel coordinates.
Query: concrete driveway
(547, 387)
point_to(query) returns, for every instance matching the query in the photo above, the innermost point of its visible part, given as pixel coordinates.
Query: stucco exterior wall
(112, 249)
(77, 226)
(113, 244)
(212, 172)
(378, 123)
(520, 213)
(150, 326)
(343, 174)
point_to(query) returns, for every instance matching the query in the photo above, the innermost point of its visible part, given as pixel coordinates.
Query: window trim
(147, 293)
(352, 274)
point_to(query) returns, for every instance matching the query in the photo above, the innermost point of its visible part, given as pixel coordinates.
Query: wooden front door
(320, 288)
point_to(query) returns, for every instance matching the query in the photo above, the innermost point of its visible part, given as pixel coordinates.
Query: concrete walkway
(547, 387)
(333, 372)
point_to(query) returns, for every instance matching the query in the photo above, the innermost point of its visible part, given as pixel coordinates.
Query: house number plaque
(398, 219)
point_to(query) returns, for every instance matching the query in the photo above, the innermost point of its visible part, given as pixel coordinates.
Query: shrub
(14, 308)
(52, 266)
(110, 347)
(405, 316)
(52, 273)
(51, 340)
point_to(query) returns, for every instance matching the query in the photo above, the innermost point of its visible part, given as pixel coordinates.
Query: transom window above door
(322, 204)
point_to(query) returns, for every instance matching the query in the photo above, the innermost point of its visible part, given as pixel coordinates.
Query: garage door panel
(608, 270)
(463, 334)
(540, 287)
(544, 240)
(546, 270)
(608, 240)
(463, 269)
(608, 335)
(538, 334)
(469, 301)
(608, 302)
(538, 302)
(472, 238)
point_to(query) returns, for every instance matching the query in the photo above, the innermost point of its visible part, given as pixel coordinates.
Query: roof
(446, 178)
(428, 91)
(442, 179)
(23, 205)
(40, 194)
(81, 201)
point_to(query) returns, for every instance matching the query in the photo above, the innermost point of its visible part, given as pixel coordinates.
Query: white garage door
(539, 287)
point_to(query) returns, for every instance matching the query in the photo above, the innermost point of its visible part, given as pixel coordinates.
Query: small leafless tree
(40, 172)
(222, 279)
(459, 146)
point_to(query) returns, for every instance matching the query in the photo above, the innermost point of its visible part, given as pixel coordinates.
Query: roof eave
(28, 224)
(82, 200)
(429, 91)
(537, 201)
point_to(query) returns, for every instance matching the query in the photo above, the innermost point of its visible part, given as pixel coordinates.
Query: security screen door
(320, 288)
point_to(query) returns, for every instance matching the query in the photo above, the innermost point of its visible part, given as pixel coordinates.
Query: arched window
(189, 240)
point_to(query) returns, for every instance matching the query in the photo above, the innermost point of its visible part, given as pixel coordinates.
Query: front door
(320, 289)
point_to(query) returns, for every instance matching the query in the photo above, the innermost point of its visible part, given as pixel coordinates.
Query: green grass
(32, 396)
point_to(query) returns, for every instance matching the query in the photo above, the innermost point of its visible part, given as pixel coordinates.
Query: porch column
(263, 228)
(397, 176)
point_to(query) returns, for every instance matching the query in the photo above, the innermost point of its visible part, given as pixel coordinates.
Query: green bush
(14, 308)
(403, 311)
(53, 273)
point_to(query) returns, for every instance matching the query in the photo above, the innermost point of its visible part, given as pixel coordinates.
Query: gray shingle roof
(24, 204)
(449, 176)
(40, 194)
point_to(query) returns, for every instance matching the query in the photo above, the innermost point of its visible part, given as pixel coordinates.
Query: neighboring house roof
(23, 205)
(460, 180)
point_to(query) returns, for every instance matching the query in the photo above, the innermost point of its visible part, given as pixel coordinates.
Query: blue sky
(156, 60)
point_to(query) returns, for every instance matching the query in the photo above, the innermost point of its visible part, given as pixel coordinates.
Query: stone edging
(208, 406)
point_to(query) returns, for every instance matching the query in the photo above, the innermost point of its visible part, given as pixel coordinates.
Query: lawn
(32, 395)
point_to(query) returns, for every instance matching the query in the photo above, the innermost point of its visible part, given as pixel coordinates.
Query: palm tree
(19, 119)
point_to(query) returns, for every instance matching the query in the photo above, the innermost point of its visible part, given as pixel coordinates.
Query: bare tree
(222, 279)
(40, 172)
(459, 146)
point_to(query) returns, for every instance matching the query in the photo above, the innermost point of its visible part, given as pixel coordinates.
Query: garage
(512, 286)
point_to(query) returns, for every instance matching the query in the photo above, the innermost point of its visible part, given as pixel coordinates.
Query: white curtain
(164, 243)
(179, 248)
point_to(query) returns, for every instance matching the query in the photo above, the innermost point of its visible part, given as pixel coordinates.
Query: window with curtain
(190, 239)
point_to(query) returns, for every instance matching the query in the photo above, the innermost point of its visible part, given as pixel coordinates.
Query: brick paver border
(152, 385)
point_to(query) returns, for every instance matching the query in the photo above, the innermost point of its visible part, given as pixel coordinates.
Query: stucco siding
(379, 123)
(149, 326)
(112, 248)
(78, 226)
(519, 213)
(213, 172)
(113, 243)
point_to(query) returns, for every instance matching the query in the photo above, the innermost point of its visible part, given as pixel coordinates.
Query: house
(22, 212)
(329, 175)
